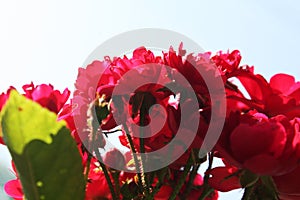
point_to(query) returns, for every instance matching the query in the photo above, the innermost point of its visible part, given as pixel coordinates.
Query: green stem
(135, 158)
(158, 185)
(206, 193)
(107, 177)
(207, 190)
(142, 142)
(154, 191)
(191, 180)
(145, 180)
(182, 179)
(115, 175)
(210, 163)
(88, 166)
(248, 193)
(93, 124)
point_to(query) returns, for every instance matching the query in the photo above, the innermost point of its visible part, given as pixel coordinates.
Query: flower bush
(61, 149)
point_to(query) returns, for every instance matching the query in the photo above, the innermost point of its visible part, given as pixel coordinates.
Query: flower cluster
(259, 143)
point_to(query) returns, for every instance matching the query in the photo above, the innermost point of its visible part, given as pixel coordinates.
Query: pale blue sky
(46, 41)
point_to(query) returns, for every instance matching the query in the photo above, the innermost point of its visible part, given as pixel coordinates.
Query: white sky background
(46, 41)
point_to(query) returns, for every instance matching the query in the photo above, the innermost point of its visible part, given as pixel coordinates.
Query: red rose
(224, 179)
(260, 132)
(43, 94)
(46, 96)
(228, 62)
(262, 145)
(288, 185)
(164, 193)
(269, 98)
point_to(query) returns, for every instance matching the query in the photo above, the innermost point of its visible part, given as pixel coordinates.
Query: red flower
(259, 133)
(164, 193)
(288, 185)
(224, 179)
(262, 145)
(3, 98)
(13, 189)
(97, 186)
(43, 94)
(46, 96)
(228, 62)
(270, 98)
(197, 191)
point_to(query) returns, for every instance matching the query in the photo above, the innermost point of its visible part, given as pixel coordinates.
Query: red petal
(263, 165)
(13, 189)
(288, 183)
(282, 82)
(263, 137)
(221, 179)
(164, 193)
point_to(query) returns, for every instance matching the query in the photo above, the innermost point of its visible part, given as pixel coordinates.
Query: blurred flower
(288, 185)
(43, 94)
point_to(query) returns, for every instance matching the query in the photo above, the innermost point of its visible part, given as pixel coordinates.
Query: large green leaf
(45, 155)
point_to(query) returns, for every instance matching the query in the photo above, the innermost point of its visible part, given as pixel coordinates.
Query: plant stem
(182, 179)
(158, 185)
(135, 158)
(116, 175)
(88, 166)
(107, 177)
(207, 190)
(145, 180)
(206, 193)
(191, 180)
(248, 193)
(93, 124)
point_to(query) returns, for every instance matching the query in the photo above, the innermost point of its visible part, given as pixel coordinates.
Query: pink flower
(43, 94)
(46, 96)
(13, 189)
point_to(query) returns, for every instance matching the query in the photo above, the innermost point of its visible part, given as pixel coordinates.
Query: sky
(46, 41)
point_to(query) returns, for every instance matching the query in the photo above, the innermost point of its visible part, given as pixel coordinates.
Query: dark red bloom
(224, 179)
(262, 145)
(288, 185)
(164, 193)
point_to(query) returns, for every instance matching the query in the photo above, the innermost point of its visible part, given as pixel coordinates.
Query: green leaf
(248, 179)
(264, 189)
(24, 120)
(270, 186)
(45, 154)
